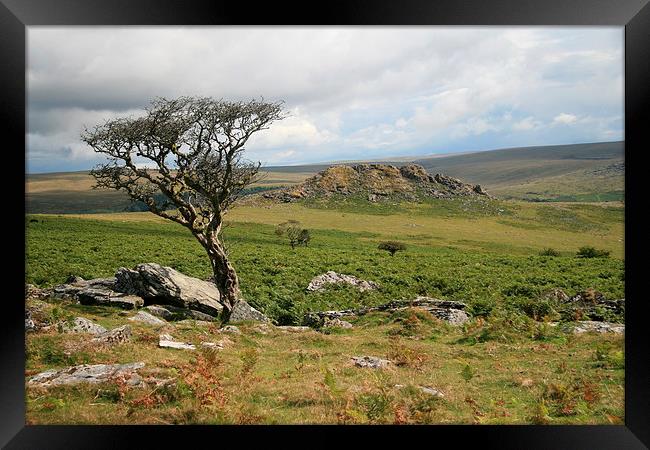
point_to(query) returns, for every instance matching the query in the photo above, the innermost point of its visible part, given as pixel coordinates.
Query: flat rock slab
(89, 373)
(167, 341)
(598, 327)
(99, 291)
(164, 285)
(173, 313)
(292, 329)
(320, 282)
(81, 325)
(147, 318)
(115, 336)
(371, 362)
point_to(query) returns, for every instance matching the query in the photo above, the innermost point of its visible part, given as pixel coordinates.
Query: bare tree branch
(187, 151)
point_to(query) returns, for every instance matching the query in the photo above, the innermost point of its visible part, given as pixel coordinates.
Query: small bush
(591, 252)
(294, 233)
(549, 252)
(392, 247)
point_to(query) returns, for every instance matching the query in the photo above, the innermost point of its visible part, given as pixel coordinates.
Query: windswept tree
(183, 159)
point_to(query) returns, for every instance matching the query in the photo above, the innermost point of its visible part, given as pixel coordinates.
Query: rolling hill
(579, 172)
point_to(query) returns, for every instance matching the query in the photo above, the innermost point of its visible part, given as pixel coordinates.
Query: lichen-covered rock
(115, 336)
(371, 362)
(164, 285)
(81, 325)
(147, 318)
(319, 283)
(89, 373)
(336, 323)
(243, 311)
(598, 327)
(452, 316)
(173, 313)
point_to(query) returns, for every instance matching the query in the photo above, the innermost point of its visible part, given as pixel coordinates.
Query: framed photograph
(391, 218)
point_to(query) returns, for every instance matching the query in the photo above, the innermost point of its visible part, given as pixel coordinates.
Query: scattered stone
(166, 341)
(230, 329)
(165, 285)
(243, 311)
(33, 292)
(336, 323)
(89, 373)
(448, 310)
(318, 283)
(29, 323)
(160, 312)
(292, 329)
(115, 336)
(431, 391)
(370, 362)
(599, 327)
(81, 325)
(147, 318)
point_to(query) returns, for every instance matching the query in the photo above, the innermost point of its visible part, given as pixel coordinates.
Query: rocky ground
(376, 183)
(153, 336)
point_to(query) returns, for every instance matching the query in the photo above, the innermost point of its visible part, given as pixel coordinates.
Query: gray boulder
(81, 325)
(371, 362)
(598, 327)
(99, 291)
(167, 286)
(147, 318)
(336, 323)
(319, 283)
(89, 373)
(159, 311)
(243, 311)
(114, 336)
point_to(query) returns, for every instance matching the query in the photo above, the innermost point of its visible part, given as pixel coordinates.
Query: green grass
(287, 378)
(274, 277)
(502, 367)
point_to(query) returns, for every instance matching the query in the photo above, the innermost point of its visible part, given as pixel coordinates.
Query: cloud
(565, 119)
(351, 92)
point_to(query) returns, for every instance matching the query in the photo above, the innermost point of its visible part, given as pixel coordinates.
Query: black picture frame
(634, 15)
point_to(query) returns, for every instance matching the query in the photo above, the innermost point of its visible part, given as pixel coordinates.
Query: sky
(349, 92)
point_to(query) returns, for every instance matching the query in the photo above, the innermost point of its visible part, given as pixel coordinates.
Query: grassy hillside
(580, 172)
(450, 255)
(502, 367)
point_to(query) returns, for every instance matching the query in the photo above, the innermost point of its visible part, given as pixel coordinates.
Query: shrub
(294, 233)
(591, 252)
(549, 252)
(392, 247)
